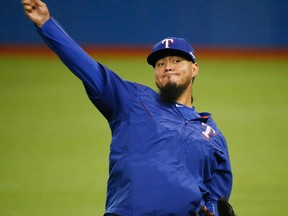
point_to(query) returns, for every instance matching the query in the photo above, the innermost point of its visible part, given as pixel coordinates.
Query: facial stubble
(172, 91)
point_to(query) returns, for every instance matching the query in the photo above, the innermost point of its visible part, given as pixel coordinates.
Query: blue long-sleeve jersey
(165, 159)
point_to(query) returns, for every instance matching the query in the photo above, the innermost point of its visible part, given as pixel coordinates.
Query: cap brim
(155, 56)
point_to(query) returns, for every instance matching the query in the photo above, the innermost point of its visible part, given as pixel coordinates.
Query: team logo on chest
(208, 132)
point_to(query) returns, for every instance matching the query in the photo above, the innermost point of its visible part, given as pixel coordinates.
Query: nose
(168, 67)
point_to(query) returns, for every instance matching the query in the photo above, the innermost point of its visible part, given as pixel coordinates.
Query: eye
(176, 60)
(159, 64)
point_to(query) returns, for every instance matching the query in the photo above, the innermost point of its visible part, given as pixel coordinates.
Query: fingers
(28, 8)
(26, 2)
(36, 11)
(39, 3)
(28, 5)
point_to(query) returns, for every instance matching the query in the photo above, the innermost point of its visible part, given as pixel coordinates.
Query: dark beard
(171, 92)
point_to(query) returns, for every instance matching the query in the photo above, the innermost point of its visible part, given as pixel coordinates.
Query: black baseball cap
(171, 46)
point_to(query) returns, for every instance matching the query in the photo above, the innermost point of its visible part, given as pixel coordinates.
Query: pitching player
(165, 158)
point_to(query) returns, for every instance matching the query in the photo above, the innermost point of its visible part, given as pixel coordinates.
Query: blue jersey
(165, 159)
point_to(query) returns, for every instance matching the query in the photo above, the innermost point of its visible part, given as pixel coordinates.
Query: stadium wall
(241, 24)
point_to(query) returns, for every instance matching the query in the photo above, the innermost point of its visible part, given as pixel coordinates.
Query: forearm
(73, 56)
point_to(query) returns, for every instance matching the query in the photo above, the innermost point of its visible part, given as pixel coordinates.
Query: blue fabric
(171, 46)
(165, 159)
(73, 56)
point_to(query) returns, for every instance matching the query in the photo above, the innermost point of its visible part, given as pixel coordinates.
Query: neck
(186, 98)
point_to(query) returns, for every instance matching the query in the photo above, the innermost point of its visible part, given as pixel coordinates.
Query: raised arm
(90, 72)
(36, 11)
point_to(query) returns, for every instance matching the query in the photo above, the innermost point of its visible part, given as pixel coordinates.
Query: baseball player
(165, 157)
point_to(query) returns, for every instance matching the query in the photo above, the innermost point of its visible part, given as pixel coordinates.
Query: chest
(154, 130)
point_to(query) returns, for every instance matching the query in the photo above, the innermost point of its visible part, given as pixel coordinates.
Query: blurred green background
(54, 144)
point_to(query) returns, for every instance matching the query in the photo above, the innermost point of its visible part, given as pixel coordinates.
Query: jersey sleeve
(73, 56)
(116, 96)
(108, 92)
(221, 183)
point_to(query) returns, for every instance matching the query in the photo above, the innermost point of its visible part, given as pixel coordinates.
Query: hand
(36, 11)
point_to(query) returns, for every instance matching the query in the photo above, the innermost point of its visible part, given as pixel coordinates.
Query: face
(174, 70)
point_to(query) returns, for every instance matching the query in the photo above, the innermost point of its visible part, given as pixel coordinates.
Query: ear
(195, 69)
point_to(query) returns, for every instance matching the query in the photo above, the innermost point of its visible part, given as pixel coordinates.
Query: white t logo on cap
(167, 42)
